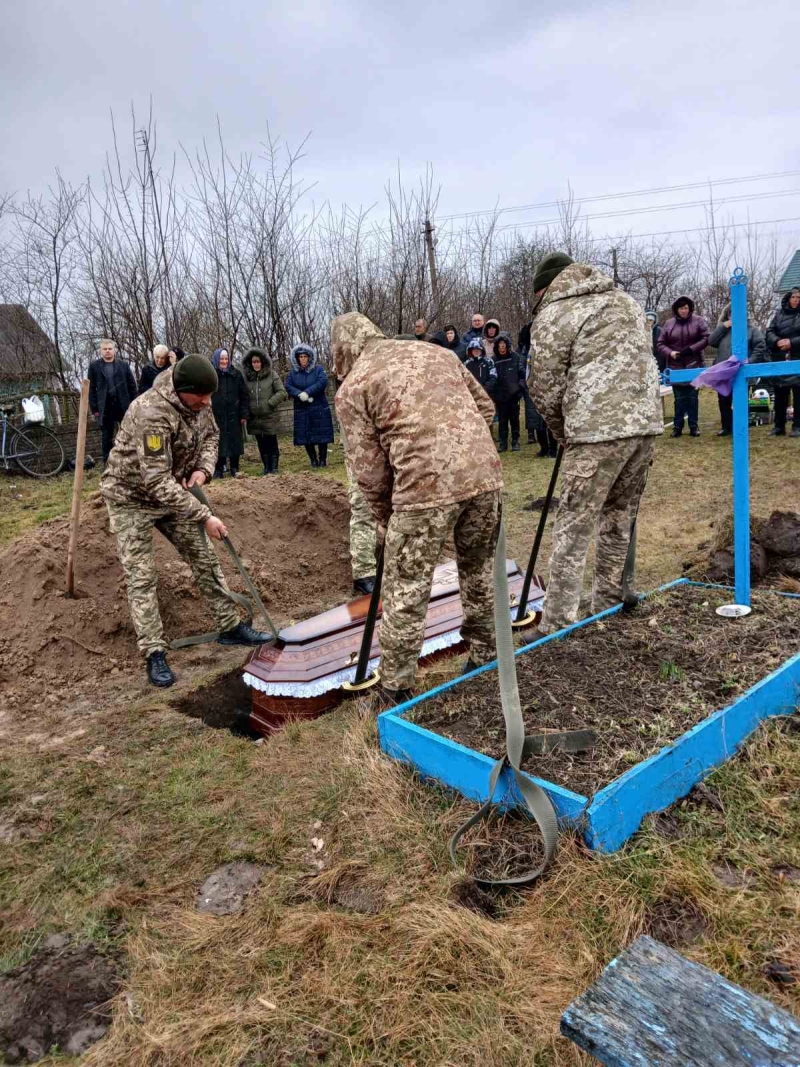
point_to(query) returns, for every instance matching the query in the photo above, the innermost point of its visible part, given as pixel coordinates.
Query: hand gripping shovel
(524, 617)
(246, 603)
(361, 682)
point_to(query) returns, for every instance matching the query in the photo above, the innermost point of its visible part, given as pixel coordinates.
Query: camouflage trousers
(133, 528)
(414, 542)
(362, 530)
(601, 486)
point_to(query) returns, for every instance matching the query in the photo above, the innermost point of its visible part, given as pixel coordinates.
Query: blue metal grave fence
(741, 429)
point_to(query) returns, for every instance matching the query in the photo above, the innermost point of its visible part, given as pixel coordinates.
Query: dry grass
(115, 813)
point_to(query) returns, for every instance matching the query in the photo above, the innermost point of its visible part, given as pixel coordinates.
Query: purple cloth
(720, 376)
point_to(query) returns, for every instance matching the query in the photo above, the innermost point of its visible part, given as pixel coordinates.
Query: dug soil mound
(59, 998)
(291, 532)
(639, 681)
(774, 551)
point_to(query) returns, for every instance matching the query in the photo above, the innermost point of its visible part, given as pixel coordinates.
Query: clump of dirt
(291, 532)
(676, 921)
(639, 680)
(774, 550)
(59, 998)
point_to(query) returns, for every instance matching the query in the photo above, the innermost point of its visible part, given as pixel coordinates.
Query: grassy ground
(112, 815)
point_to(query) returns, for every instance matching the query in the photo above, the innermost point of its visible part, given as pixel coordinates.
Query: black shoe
(676, 433)
(364, 586)
(273, 465)
(267, 470)
(323, 463)
(553, 453)
(394, 697)
(694, 433)
(502, 447)
(243, 634)
(795, 431)
(515, 447)
(775, 432)
(532, 439)
(219, 474)
(314, 464)
(158, 670)
(543, 453)
(723, 433)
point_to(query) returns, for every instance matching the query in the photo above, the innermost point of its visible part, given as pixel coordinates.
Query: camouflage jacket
(416, 422)
(593, 376)
(159, 443)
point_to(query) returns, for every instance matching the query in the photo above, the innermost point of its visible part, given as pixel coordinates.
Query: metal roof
(790, 279)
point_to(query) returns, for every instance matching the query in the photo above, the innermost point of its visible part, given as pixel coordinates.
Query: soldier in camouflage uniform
(419, 444)
(167, 443)
(595, 383)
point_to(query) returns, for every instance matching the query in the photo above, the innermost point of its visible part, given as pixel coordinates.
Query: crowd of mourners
(250, 397)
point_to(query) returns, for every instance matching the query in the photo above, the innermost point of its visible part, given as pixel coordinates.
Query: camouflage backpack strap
(535, 798)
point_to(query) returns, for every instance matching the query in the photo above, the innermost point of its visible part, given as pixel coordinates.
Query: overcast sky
(508, 99)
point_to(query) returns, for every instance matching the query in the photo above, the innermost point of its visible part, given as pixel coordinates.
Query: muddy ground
(638, 680)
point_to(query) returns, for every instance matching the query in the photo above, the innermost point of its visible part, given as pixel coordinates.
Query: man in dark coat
(783, 343)
(510, 386)
(655, 333)
(152, 370)
(112, 388)
(231, 406)
(681, 344)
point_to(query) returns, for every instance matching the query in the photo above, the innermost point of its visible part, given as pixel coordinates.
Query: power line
(650, 209)
(692, 229)
(622, 196)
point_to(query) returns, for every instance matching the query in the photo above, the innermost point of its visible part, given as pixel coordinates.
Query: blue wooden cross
(741, 427)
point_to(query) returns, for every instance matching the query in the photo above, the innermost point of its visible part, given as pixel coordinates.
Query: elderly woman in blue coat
(313, 424)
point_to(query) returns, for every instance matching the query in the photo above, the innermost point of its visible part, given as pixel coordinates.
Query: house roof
(790, 279)
(25, 349)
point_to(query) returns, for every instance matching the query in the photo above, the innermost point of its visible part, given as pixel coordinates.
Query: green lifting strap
(536, 799)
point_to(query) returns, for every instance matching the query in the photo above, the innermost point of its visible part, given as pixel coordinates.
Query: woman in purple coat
(681, 344)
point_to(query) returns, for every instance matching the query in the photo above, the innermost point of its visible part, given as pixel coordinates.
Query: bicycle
(35, 449)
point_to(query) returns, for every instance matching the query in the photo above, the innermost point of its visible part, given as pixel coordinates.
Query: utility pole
(615, 266)
(432, 267)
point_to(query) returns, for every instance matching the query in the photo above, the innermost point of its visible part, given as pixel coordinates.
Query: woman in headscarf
(313, 424)
(231, 407)
(152, 370)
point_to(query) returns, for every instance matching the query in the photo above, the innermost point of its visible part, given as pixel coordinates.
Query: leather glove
(304, 396)
(686, 352)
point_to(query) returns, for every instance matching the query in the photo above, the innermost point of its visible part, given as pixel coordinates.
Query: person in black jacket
(655, 332)
(721, 340)
(510, 387)
(481, 366)
(448, 338)
(112, 388)
(231, 407)
(152, 370)
(783, 343)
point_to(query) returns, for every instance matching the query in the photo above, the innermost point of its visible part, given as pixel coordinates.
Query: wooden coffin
(301, 675)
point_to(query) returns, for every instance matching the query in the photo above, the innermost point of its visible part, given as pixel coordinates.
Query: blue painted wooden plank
(464, 769)
(617, 810)
(651, 1007)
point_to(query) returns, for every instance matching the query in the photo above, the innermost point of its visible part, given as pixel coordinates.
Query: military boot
(243, 634)
(392, 698)
(158, 670)
(364, 586)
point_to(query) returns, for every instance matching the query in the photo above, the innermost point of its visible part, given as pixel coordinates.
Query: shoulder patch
(153, 444)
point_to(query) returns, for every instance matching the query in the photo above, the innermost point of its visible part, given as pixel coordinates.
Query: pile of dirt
(291, 532)
(774, 550)
(59, 998)
(639, 681)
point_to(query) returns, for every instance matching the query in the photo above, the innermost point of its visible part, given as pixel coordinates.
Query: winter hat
(549, 269)
(179, 353)
(650, 314)
(476, 342)
(194, 374)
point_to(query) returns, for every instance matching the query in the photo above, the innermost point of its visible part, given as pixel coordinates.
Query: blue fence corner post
(741, 441)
